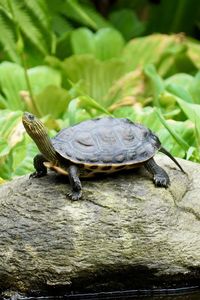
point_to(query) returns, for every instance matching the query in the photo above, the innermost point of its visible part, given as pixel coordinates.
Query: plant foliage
(66, 62)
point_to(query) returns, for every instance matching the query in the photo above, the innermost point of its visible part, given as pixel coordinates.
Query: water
(195, 295)
(185, 296)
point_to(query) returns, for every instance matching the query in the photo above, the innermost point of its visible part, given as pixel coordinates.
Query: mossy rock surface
(124, 233)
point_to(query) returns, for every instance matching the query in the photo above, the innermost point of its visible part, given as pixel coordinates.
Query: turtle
(97, 146)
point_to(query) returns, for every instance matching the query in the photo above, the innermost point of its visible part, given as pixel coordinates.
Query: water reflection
(194, 296)
(186, 296)
(103, 296)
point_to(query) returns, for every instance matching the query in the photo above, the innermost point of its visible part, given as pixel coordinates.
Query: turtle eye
(154, 138)
(31, 117)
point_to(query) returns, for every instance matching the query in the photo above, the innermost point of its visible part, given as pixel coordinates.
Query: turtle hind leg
(160, 177)
(40, 169)
(75, 183)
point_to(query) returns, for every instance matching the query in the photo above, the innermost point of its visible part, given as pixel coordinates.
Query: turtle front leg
(75, 182)
(160, 177)
(41, 170)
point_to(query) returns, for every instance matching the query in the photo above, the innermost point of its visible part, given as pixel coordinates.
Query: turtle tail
(163, 150)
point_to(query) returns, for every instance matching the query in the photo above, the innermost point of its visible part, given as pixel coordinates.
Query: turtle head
(154, 140)
(37, 131)
(34, 127)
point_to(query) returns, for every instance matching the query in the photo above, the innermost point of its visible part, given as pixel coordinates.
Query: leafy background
(69, 60)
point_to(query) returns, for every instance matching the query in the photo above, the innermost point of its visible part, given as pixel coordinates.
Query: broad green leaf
(129, 89)
(184, 130)
(96, 76)
(43, 76)
(82, 41)
(192, 111)
(10, 126)
(11, 134)
(108, 44)
(53, 100)
(23, 155)
(4, 148)
(181, 79)
(176, 136)
(75, 113)
(125, 112)
(194, 51)
(12, 81)
(72, 111)
(194, 88)
(179, 91)
(164, 51)
(127, 22)
(6, 167)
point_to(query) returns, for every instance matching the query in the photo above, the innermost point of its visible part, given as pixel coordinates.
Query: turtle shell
(106, 141)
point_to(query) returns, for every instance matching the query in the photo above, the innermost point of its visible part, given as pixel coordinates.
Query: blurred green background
(70, 60)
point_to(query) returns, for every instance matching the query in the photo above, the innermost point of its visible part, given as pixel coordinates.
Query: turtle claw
(37, 174)
(161, 181)
(75, 195)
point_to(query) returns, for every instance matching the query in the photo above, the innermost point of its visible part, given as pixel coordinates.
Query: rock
(124, 233)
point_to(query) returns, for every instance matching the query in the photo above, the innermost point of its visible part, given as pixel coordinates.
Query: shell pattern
(106, 141)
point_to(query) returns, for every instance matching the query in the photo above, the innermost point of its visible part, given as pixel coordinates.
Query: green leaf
(22, 157)
(176, 136)
(179, 91)
(194, 88)
(180, 79)
(72, 111)
(7, 37)
(156, 82)
(40, 11)
(96, 76)
(179, 85)
(28, 26)
(4, 148)
(127, 22)
(194, 51)
(106, 43)
(164, 51)
(53, 100)
(12, 81)
(74, 10)
(89, 103)
(96, 16)
(42, 76)
(11, 133)
(192, 111)
(82, 41)
(3, 103)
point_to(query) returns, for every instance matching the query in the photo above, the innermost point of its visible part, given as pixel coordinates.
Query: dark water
(195, 295)
(183, 296)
